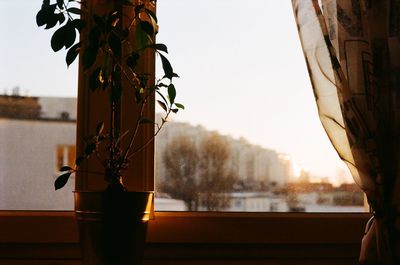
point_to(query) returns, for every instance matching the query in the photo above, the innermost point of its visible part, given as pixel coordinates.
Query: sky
(242, 72)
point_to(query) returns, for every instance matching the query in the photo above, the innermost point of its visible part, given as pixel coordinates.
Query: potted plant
(112, 222)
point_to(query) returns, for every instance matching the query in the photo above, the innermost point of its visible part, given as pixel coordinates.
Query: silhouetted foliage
(109, 59)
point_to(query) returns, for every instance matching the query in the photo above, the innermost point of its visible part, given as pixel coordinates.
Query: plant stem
(159, 127)
(133, 137)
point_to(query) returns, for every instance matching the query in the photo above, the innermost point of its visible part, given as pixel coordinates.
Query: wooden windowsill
(198, 228)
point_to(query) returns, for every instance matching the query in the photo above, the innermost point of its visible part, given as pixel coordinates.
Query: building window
(65, 156)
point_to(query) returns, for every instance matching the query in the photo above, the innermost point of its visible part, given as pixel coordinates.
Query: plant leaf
(52, 21)
(58, 39)
(180, 106)
(90, 149)
(94, 80)
(46, 15)
(132, 60)
(64, 36)
(168, 71)
(162, 104)
(41, 18)
(61, 18)
(162, 96)
(151, 14)
(62, 180)
(70, 34)
(74, 10)
(89, 56)
(60, 4)
(141, 37)
(138, 96)
(159, 47)
(147, 27)
(79, 24)
(171, 93)
(45, 3)
(72, 53)
(113, 19)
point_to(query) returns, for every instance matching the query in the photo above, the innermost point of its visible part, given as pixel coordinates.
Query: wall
(28, 164)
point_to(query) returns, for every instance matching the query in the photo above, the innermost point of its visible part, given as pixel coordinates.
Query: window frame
(198, 227)
(43, 227)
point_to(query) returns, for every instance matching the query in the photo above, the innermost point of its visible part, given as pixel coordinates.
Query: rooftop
(37, 108)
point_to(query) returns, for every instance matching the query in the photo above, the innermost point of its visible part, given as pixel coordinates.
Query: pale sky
(241, 66)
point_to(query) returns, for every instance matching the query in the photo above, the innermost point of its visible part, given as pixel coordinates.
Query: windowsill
(201, 227)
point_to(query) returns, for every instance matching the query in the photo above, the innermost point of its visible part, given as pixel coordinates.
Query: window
(59, 228)
(247, 94)
(258, 165)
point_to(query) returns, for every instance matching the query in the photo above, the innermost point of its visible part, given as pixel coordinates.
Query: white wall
(28, 164)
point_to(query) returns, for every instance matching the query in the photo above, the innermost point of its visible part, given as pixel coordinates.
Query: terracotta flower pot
(112, 226)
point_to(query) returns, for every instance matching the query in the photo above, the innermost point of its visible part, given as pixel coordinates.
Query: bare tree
(198, 174)
(180, 159)
(216, 178)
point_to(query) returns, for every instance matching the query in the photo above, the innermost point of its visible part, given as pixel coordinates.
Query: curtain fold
(352, 50)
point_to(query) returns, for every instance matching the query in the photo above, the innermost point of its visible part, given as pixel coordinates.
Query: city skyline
(246, 177)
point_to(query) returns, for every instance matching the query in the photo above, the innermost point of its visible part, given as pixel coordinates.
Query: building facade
(37, 137)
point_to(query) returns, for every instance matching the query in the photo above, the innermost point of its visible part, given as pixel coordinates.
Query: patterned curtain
(352, 50)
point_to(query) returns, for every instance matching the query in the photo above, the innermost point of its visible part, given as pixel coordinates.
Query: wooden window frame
(44, 227)
(198, 227)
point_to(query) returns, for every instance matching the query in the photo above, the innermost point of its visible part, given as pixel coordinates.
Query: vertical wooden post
(94, 107)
